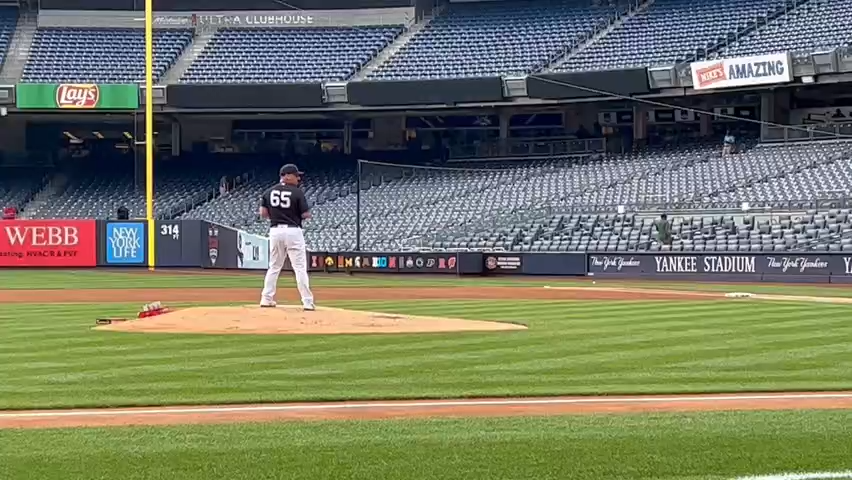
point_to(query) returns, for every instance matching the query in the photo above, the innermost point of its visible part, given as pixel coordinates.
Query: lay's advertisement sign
(742, 72)
(77, 96)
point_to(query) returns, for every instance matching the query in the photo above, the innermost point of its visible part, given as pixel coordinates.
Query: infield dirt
(293, 320)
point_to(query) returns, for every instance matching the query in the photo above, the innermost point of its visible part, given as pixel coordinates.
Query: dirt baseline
(251, 295)
(381, 410)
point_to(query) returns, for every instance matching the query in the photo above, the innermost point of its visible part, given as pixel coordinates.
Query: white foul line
(800, 476)
(421, 404)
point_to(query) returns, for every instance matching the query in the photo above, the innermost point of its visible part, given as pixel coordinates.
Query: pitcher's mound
(289, 320)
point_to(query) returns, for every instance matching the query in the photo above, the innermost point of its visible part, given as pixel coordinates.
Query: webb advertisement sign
(77, 96)
(48, 243)
(742, 72)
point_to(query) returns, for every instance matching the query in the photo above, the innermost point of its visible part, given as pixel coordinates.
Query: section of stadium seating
(766, 174)
(494, 38)
(288, 55)
(534, 205)
(8, 21)
(670, 31)
(17, 185)
(102, 55)
(239, 207)
(814, 174)
(403, 206)
(98, 193)
(809, 28)
(829, 230)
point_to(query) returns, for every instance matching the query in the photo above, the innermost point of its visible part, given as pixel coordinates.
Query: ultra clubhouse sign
(709, 264)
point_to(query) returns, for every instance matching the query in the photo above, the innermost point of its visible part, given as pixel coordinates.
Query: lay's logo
(77, 95)
(711, 74)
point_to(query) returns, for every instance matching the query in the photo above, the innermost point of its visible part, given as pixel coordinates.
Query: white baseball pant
(283, 242)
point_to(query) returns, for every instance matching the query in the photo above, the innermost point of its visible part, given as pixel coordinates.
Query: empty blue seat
(495, 38)
(669, 32)
(809, 28)
(288, 55)
(8, 21)
(100, 55)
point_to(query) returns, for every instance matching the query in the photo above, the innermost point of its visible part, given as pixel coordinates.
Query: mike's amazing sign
(742, 72)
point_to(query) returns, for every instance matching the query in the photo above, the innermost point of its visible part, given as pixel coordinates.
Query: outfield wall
(201, 244)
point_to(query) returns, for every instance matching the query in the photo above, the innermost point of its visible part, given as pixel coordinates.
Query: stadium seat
(288, 55)
(100, 55)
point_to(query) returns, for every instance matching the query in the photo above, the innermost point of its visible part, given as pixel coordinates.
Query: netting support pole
(358, 209)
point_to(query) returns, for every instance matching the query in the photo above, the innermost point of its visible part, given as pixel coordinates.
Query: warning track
(500, 407)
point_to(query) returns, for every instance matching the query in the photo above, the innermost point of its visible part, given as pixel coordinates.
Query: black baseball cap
(291, 169)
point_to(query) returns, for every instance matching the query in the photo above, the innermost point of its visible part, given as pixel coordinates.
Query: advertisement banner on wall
(503, 263)
(742, 72)
(317, 262)
(710, 264)
(219, 248)
(365, 262)
(48, 243)
(841, 266)
(125, 243)
(600, 263)
(253, 251)
(77, 96)
(427, 263)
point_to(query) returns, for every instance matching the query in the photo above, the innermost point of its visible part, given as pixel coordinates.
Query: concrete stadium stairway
(189, 55)
(396, 45)
(19, 48)
(642, 7)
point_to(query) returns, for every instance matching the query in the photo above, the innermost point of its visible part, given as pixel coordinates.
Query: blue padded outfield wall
(201, 244)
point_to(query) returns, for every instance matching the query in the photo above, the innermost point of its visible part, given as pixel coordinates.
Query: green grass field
(94, 279)
(685, 447)
(51, 358)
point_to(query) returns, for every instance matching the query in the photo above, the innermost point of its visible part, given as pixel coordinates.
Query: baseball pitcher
(285, 206)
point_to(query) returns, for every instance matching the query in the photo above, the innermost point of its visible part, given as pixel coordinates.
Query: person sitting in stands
(664, 230)
(730, 144)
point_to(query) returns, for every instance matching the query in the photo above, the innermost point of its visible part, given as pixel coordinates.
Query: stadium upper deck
(455, 40)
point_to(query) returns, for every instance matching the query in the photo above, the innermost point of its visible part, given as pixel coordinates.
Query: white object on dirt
(739, 295)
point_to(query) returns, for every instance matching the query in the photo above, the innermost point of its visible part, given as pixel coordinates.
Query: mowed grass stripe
(571, 347)
(99, 279)
(695, 446)
(610, 340)
(111, 280)
(198, 347)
